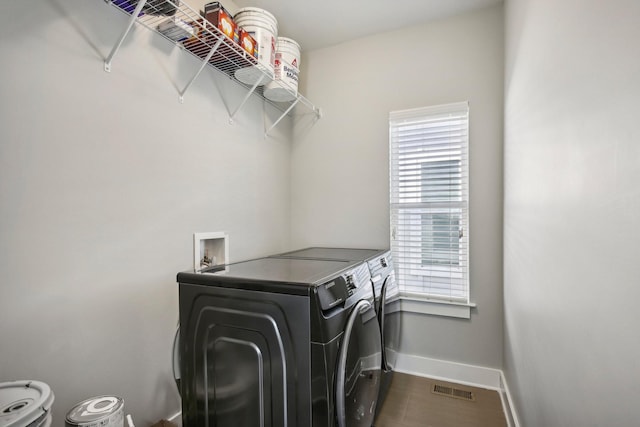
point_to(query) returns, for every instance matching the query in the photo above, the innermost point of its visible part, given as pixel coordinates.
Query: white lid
(276, 93)
(24, 402)
(94, 409)
(251, 75)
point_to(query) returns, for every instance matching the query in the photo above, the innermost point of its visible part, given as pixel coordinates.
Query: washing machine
(387, 298)
(279, 342)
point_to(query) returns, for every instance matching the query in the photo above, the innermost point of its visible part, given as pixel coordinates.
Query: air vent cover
(456, 393)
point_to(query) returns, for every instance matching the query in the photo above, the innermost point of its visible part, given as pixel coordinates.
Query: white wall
(340, 189)
(572, 211)
(104, 177)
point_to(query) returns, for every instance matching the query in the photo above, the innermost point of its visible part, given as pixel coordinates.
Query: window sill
(436, 308)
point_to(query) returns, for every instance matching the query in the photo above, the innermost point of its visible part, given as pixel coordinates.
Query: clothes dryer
(279, 342)
(387, 298)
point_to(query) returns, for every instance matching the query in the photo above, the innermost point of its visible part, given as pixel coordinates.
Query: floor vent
(444, 390)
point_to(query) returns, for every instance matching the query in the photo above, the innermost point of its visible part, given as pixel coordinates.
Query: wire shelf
(180, 24)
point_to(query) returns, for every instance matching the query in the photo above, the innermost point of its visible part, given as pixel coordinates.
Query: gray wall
(103, 180)
(340, 188)
(572, 211)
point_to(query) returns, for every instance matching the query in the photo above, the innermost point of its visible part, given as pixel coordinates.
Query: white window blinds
(429, 185)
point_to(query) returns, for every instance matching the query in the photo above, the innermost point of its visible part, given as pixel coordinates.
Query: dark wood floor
(411, 402)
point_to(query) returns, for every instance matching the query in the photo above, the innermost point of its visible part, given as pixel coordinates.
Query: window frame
(397, 205)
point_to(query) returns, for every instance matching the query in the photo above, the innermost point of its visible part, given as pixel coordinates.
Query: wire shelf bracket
(246, 98)
(125, 33)
(293, 104)
(204, 64)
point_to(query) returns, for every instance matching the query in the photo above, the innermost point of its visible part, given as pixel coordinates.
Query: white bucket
(25, 403)
(101, 411)
(287, 68)
(263, 27)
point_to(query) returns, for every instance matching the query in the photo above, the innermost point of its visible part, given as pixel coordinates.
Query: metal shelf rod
(293, 104)
(204, 64)
(246, 98)
(132, 20)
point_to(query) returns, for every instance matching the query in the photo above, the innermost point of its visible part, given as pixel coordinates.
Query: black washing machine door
(359, 368)
(382, 317)
(389, 320)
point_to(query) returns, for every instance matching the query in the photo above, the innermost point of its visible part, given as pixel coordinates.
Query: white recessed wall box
(210, 249)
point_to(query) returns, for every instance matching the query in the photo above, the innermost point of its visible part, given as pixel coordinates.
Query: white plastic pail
(25, 403)
(287, 68)
(263, 27)
(101, 411)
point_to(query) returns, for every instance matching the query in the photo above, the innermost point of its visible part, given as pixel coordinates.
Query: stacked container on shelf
(263, 27)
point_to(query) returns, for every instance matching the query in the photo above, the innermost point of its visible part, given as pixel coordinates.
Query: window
(429, 187)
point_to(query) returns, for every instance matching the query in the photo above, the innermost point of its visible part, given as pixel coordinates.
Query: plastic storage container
(101, 411)
(263, 27)
(284, 87)
(25, 403)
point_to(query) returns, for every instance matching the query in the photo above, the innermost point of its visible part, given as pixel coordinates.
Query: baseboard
(450, 371)
(507, 403)
(472, 375)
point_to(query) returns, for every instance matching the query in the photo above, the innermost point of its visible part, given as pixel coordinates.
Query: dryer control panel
(358, 281)
(354, 281)
(332, 293)
(351, 284)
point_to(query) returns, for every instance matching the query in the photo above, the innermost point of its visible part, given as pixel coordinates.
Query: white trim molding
(435, 307)
(471, 375)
